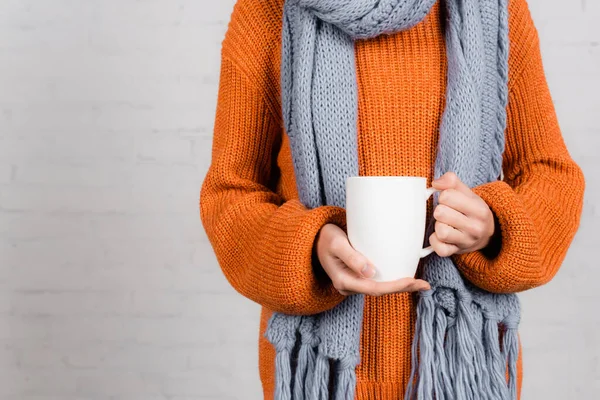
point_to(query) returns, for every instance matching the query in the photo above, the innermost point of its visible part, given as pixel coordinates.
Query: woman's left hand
(464, 222)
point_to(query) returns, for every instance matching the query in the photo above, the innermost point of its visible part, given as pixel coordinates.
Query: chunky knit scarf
(457, 351)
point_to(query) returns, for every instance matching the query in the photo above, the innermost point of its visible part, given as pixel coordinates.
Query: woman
(504, 236)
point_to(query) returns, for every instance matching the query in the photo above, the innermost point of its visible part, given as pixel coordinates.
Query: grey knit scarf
(456, 351)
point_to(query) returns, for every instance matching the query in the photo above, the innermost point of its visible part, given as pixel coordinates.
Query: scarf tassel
(304, 368)
(283, 376)
(421, 383)
(320, 381)
(457, 358)
(494, 358)
(345, 381)
(482, 370)
(465, 382)
(442, 378)
(510, 346)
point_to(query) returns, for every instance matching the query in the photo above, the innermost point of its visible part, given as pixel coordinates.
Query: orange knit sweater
(263, 236)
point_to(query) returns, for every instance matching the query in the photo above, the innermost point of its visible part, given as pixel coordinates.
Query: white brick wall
(108, 284)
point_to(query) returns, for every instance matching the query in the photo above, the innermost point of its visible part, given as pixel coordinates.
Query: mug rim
(385, 177)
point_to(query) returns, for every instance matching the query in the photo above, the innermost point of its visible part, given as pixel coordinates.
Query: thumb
(447, 181)
(450, 181)
(354, 260)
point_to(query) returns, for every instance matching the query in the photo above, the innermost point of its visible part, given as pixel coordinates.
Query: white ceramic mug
(385, 218)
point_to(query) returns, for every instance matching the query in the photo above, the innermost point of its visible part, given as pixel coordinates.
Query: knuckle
(373, 290)
(453, 178)
(337, 244)
(411, 287)
(433, 241)
(354, 262)
(339, 283)
(477, 213)
(443, 196)
(446, 195)
(442, 234)
(485, 211)
(444, 251)
(442, 231)
(469, 244)
(477, 229)
(478, 209)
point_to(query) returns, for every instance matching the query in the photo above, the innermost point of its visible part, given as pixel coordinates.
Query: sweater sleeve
(263, 242)
(538, 205)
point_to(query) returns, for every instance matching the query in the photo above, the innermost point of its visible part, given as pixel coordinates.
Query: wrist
(318, 269)
(494, 243)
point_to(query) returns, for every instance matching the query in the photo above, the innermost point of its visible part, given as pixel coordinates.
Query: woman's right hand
(350, 271)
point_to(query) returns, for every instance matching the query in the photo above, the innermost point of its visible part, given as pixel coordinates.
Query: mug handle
(429, 249)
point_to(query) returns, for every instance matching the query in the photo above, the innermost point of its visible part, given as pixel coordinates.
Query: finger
(353, 259)
(373, 288)
(458, 201)
(450, 181)
(401, 286)
(342, 276)
(442, 249)
(449, 235)
(449, 216)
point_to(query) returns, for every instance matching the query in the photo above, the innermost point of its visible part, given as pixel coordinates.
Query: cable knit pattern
(263, 235)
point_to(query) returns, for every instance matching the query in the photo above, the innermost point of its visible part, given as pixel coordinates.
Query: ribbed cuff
(299, 284)
(511, 262)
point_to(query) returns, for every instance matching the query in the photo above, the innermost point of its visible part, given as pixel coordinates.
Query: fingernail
(368, 271)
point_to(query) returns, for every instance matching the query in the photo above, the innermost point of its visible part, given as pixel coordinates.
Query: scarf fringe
(460, 357)
(510, 346)
(496, 365)
(313, 372)
(456, 357)
(281, 333)
(442, 378)
(306, 360)
(320, 382)
(482, 365)
(345, 380)
(425, 316)
(466, 383)
(305, 365)
(410, 393)
(283, 376)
